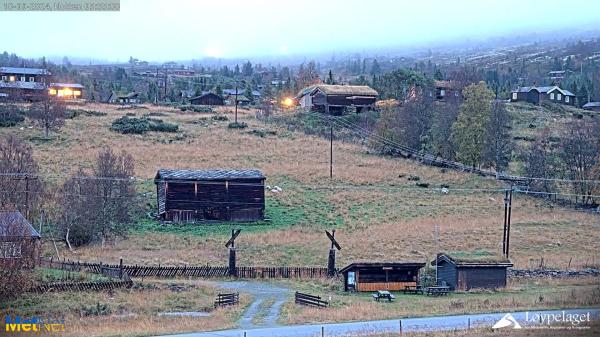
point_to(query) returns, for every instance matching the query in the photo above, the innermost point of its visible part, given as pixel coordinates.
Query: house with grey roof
(592, 106)
(545, 94)
(23, 83)
(19, 241)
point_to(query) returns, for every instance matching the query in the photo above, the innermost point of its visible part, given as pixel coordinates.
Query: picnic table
(413, 290)
(383, 294)
(438, 291)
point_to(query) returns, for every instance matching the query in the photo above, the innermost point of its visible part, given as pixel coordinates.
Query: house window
(4, 78)
(10, 250)
(12, 78)
(551, 96)
(31, 79)
(558, 97)
(514, 96)
(566, 99)
(22, 78)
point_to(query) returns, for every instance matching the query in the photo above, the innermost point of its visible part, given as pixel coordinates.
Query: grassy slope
(374, 222)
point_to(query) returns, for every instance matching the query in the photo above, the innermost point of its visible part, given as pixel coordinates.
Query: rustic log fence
(310, 300)
(192, 271)
(227, 299)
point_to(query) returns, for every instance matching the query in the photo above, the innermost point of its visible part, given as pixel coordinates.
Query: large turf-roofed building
(217, 194)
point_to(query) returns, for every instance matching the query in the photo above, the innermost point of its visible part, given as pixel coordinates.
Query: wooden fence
(306, 299)
(195, 271)
(82, 286)
(227, 299)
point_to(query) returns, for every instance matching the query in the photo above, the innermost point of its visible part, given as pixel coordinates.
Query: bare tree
(49, 114)
(581, 148)
(20, 187)
(498, 141)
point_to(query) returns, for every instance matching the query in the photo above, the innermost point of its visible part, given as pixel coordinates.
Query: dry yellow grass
(373, 223)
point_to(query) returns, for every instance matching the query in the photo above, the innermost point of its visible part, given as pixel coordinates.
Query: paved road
(267, 301)
(372, 327)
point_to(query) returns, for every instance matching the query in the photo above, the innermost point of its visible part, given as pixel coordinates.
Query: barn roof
(23, 85)
(67, 85)
(25, 71)
(205, 94)
(359, 265)
(591, 105)
(214, 174)
(13, 223)
(545, 89)
(331, 89)
(474, 261)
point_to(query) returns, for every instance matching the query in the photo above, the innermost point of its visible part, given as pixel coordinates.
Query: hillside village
(147, 198)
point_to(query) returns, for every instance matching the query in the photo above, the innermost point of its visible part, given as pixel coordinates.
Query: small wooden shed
(19, 241)
(203, 195)
(372, 276)
(475, 272)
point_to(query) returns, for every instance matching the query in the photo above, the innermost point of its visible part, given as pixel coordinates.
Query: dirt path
(267, 301)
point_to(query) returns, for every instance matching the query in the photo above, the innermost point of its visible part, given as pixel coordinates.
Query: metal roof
(214, 174)
(23, 85)
(591, 105)
(67, 85)
(26, 71)
(14, 224)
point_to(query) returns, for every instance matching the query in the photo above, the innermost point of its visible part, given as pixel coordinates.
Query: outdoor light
(287, 102)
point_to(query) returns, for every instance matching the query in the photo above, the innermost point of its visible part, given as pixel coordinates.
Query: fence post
(322, 331)
(121, 268)
(469, 323)
(400, 321)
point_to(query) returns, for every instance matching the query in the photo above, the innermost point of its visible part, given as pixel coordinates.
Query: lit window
(76, 93)
(551, 95)
(31, 79)
(567, 99)
(52, 92)
(514, 95)
(558, 97)
(12, 79)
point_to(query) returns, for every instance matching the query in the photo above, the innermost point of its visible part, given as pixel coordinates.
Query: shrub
(72, 113)
(221, 118)
(262, 132)
(10, 115)
(130, 125)
(237, 125)
(422, 184)
(413, 178)
(160, 126)
(201, 108)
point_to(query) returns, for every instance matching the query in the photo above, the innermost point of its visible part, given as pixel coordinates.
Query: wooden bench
(383, 294)
(438, 291)
(413, 290)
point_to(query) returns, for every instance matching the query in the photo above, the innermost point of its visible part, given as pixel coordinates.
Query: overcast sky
(158, 30)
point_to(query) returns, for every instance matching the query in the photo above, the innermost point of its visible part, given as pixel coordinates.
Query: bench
(438, 291)
(383, 294)
(413, 290)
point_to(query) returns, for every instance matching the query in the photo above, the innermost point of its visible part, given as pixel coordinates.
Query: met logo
(33, 324)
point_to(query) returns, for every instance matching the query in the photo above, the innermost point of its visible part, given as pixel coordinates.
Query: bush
(237, 125)
(140, 126)
(413, 178)
(10, 115)
(221, 118)
(422, 184)
(199, 108)
(262, 132)
(72, 113)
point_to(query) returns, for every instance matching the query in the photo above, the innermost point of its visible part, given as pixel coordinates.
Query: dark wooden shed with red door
(464, 273)
(373, 276)
(217, 194)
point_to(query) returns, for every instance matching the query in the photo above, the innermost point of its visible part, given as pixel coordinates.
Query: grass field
(379, 212)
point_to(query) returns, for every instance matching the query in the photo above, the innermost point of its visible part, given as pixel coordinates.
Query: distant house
(207, 99)
(203, 195)
(538, 95)
(592, 106)
(66, 90)
(187, 94)
(329, 98)
(444, 89)
(23, 83)
(19, 241)
(373, 276)
(469, 273)
(230, 94)
(129, 98)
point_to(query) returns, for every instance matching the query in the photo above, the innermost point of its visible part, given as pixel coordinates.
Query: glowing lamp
(52, 92)
(287, 102)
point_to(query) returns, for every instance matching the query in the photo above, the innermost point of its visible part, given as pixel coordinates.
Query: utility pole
(26, 196)
(437, 250)
(505, 222)
(236, 102)
(330, 151)
(166, 80)
(508, 223)
(156, 82)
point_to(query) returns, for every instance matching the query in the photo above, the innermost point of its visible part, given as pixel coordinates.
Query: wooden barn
(204, 195)
(20, 243)
(335, 99)
(207, 99)
(392, 276)
(469, 273)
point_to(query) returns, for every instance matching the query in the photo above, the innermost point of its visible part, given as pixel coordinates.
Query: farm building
(391, 276)
(207, 99)
(23, 83)
(592, 106)
(66, 91)
(537, 95)
(19, 242)
(469, 273)
(336, 99)
(129, 98)
(203, 195)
